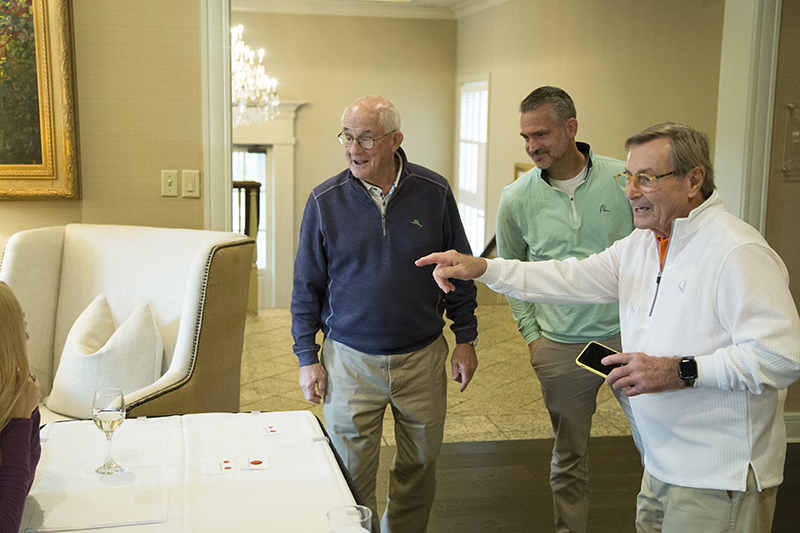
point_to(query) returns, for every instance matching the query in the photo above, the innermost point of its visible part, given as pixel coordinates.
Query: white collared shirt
(377, 193)
(569, 186)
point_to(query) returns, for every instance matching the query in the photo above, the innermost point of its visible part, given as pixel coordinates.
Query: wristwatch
(687, 371)
(473, 342)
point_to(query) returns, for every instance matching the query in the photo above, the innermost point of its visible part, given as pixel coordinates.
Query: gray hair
(689, 150)
(560, 103)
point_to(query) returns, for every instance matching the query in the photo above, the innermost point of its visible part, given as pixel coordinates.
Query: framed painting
(38, 124)
(521, 168)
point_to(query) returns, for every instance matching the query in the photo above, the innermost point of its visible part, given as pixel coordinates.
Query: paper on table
(68, 511)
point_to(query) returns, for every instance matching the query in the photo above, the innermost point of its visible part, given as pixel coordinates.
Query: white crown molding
(434, 9)
(350, 8)
(471, 7)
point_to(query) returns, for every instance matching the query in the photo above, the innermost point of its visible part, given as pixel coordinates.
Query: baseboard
(792, 426)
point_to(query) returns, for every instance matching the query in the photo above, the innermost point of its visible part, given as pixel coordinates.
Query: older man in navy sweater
(355, 279)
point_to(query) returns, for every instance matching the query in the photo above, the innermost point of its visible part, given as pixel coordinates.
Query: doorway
(253, 164)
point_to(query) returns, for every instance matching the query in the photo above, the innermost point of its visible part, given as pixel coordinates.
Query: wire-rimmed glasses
(364, 141)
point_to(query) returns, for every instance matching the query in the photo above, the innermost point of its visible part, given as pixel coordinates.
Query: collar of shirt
(569, 186)
(582, 148)
(377, 194)
(663, 242)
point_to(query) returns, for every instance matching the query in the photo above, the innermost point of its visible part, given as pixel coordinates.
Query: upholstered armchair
(79, 283)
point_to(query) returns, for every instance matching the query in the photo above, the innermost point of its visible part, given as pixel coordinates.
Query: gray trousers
(570, 395)
(360, 386)
(665, 508)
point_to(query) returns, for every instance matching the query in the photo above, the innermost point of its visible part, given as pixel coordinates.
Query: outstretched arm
(452, 264)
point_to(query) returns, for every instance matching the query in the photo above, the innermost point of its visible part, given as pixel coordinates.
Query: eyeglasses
(645, 182)
(364, 142)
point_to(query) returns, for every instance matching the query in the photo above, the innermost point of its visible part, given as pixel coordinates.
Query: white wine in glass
(108, 413)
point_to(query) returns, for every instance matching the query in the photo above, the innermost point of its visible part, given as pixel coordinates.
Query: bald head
(377, 106)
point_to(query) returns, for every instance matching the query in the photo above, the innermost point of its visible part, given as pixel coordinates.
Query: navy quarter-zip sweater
(354, 274)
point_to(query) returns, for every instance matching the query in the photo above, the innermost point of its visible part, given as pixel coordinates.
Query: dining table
(209, 472)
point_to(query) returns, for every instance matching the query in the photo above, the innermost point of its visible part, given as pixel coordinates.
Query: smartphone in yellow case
(590, 358)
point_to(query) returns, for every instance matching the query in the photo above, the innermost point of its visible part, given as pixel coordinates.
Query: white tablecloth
(168, 485)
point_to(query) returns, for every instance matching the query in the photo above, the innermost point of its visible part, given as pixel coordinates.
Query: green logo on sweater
(416, 223)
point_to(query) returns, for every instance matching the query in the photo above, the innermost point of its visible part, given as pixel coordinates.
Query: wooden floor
(503, 487)
(786, 516)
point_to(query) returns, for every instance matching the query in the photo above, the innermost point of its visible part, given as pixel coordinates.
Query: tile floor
(503, 401)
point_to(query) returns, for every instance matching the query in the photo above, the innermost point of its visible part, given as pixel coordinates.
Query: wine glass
(108, 413)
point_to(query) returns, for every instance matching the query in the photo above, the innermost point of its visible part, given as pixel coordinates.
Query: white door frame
(748, 69)
(217, 122)
(275, 284)
(218, 146)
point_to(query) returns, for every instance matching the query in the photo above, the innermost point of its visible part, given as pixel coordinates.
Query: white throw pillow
(97, 354)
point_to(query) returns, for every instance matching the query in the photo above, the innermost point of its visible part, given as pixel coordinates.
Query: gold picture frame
(521, 168)
(49, 170)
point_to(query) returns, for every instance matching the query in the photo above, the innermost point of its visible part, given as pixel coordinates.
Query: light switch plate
(169, 183)
(191, 183)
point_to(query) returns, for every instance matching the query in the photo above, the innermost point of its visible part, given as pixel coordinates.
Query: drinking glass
(108, 413)
(350, 519)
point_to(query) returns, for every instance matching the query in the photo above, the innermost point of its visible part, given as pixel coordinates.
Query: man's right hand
(532, 346)
(452, 264)
(314, 382)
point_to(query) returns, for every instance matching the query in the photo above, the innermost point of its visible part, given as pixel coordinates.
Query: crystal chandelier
(254, 94)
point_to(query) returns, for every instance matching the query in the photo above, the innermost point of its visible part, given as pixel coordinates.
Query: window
(473, 126)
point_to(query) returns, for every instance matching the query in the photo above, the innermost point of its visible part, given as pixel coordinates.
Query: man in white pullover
(710, 336)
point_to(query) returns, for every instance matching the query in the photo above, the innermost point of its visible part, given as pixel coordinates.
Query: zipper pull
(655, 296)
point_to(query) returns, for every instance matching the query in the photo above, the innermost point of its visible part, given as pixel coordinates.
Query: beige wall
(627, 65)
(783, 197)
(329, 61)
(139, 94)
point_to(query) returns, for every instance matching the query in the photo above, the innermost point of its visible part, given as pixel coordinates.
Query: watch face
(687, 369)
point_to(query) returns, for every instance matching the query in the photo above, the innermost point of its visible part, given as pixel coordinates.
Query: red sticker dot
(256, 462)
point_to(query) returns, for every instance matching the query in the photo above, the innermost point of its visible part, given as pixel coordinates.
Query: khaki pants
(570, 395)
(360, 386)
(672, 509)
